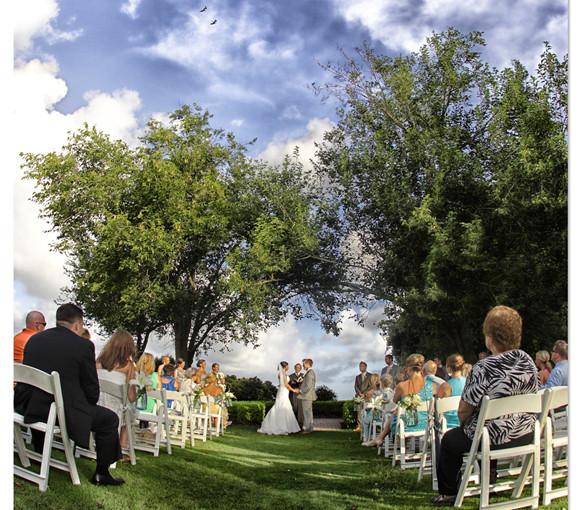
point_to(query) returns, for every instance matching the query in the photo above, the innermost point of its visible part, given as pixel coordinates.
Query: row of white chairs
(173, 424)
(545, 458)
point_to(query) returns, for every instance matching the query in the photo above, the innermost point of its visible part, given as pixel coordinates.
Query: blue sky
(115, 64)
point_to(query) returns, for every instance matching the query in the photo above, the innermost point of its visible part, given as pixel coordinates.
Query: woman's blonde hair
(415, 362)
(543, 356)
(146, 364)
(375, 381)
(209, 378)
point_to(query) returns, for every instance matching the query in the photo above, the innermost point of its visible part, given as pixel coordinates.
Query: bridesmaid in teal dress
(415, 384)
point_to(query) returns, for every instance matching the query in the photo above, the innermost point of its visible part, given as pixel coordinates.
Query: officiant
(293, 382)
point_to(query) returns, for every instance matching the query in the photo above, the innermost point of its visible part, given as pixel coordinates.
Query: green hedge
(349, 415)
(253, 412)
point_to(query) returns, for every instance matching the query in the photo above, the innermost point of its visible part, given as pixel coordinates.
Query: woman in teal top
(453, 387)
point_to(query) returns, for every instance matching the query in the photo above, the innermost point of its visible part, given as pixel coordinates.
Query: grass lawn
(247, 470)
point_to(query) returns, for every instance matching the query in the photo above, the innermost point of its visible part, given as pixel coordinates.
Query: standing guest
(179, 374)
(415, 384)
(201, 373)
(392, 368)
(35, 322)
(115, 364)
(63, 350)
(429, 371)
(508, 371)
(362, 384)
(165, 360)
(544, 366)
(559, 374)
(307, 395)
(293, 382)
(454, 386)
(441, 372)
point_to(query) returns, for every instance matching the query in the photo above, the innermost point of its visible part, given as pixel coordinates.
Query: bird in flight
(204, 9)
(213, 22)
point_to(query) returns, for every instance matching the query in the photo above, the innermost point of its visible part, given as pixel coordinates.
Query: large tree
(452, 177)
(185, 235)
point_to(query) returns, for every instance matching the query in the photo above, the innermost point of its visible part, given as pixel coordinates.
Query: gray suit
(393, 370)
(306, 396)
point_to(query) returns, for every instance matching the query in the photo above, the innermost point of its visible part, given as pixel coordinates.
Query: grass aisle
(247, 470)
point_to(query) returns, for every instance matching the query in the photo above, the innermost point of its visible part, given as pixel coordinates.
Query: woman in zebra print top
(508, 371)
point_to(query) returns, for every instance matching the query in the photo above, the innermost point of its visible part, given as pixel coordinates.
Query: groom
(307, 395)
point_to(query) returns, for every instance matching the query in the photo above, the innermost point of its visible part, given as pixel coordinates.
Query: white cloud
(277, 150)
(33, 18)
(130, 8)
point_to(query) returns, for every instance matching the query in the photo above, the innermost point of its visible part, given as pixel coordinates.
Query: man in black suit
(64, 350)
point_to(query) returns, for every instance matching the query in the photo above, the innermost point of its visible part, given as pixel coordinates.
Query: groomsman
(362, 384)
(307, 394)
(392, 368)
(293, 382)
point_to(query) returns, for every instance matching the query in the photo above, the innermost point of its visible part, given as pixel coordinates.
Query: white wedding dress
(280, 419)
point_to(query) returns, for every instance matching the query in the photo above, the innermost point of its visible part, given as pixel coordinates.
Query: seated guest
(559, 374)
(35, 322)
(168, 382)
(454, 386)
(508, 371)
(64, 350)
(384, 390)
(415, 384)
(201, 373)
(189, 375)
(211, 389)
(544, 366)
(429, 371)
(115, 364)
(146, 364)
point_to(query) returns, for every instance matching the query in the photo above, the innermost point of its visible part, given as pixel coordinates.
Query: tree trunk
(181, 329)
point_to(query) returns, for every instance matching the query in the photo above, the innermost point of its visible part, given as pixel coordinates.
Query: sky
(116, 64)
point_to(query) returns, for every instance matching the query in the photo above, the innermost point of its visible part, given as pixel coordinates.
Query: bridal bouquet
(221, 385)
(220, 376)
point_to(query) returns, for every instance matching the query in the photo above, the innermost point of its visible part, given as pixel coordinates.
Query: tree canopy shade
(452, 177)
(185, 234)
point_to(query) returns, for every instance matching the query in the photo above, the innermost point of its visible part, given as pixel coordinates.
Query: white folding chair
(160, 419)
(179, 418)
(409, 458)
(435, 415)
(199, 419)
(553, 424)
(215, 430)
(481, 452)
(55, 424)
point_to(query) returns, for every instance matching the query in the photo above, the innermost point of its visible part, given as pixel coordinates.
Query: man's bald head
(35, 320)
(430, 367)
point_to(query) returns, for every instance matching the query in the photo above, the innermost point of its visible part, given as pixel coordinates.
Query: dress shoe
(106, 480)
(357, 429)
(375, 442)
(304, 432)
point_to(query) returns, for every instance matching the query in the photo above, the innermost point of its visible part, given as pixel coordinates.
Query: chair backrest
(552, 398)
(118, 390)
(504, 406)
(444, 405)
(180, 402)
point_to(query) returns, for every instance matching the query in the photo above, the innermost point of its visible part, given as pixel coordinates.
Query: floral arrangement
(225, 399)
(143, 384)
(221, 385)
(221, 376)
(195, 393)
(410, 401)
(376, 403)
(358, 400)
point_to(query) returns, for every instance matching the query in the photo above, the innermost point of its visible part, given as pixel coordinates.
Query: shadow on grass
(246, 470)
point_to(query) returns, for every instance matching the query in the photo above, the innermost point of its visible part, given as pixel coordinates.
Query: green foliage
(325, 393)
(349, 415)
(183, 235)
(251, 388)
(247, 413)
(327, 409)
(452, 177)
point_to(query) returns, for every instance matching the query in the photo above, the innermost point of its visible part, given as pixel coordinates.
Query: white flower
(411, 400)
(219, 375)
(142, 381)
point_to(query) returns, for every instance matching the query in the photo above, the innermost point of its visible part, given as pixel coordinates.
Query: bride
(280, 419)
